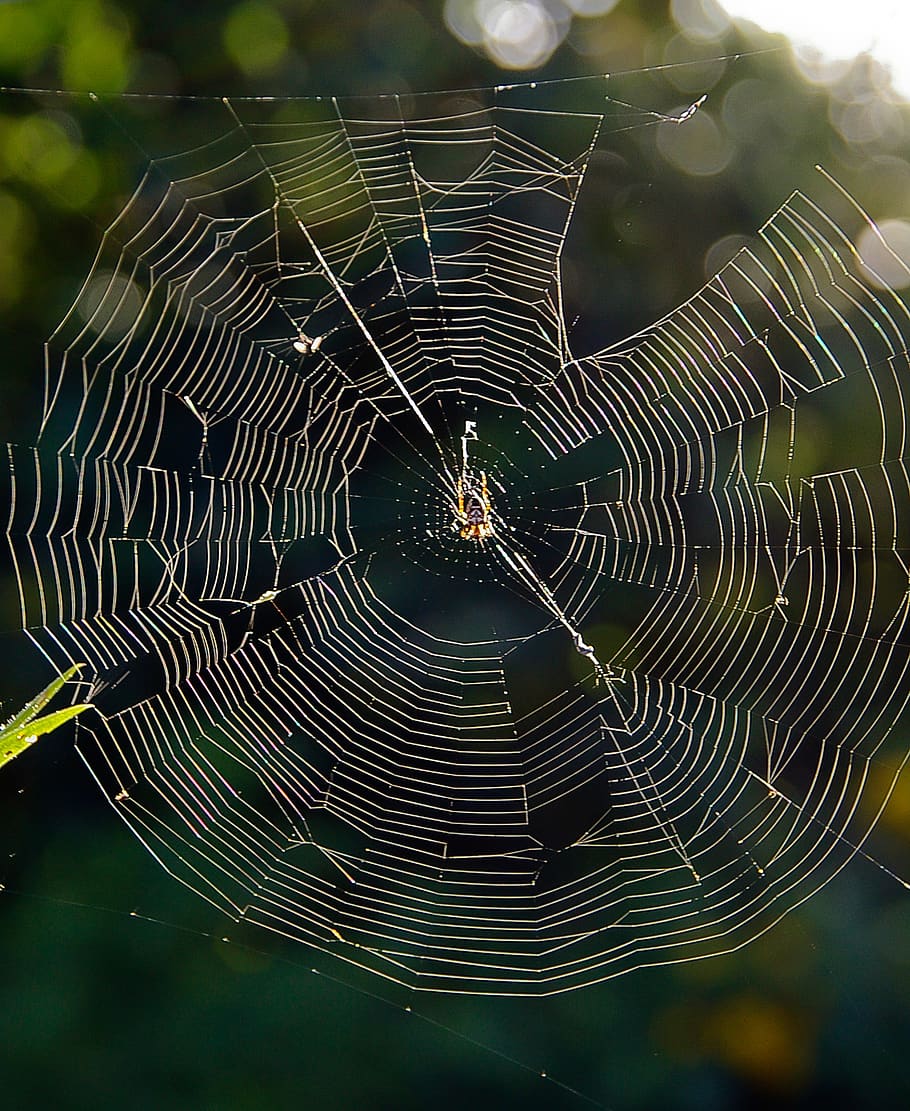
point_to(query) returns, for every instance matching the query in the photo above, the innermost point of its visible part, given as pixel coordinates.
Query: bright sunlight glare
(826, 32)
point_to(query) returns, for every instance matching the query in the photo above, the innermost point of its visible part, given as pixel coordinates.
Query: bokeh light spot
(722, 251)
(515, 34)
(697, 146)
(591, 7)
(461, 19)
(518, 34)
(24, 35)
(885, 252)
(256, 37)
(703, 20)
(40, 150)
(762, 1040)
(112, 304)
(96, 52)
(694, 68)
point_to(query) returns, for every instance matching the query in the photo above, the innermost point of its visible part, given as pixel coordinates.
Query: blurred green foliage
(100, 1009)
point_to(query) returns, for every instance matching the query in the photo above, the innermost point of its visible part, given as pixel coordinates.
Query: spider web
(660, 701)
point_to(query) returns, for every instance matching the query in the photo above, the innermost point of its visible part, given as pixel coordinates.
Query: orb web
(645, 706)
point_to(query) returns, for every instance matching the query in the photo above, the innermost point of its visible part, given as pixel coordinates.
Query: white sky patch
(838, 30)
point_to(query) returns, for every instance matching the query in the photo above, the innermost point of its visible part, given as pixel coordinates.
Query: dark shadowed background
(115, 989)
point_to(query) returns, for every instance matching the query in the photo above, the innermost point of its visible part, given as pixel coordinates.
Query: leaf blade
(38, 703)
(24, 728)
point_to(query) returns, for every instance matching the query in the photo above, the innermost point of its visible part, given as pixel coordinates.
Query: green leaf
(39, 701)
(23, 729)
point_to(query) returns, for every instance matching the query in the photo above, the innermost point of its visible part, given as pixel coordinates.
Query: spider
(472, 517)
